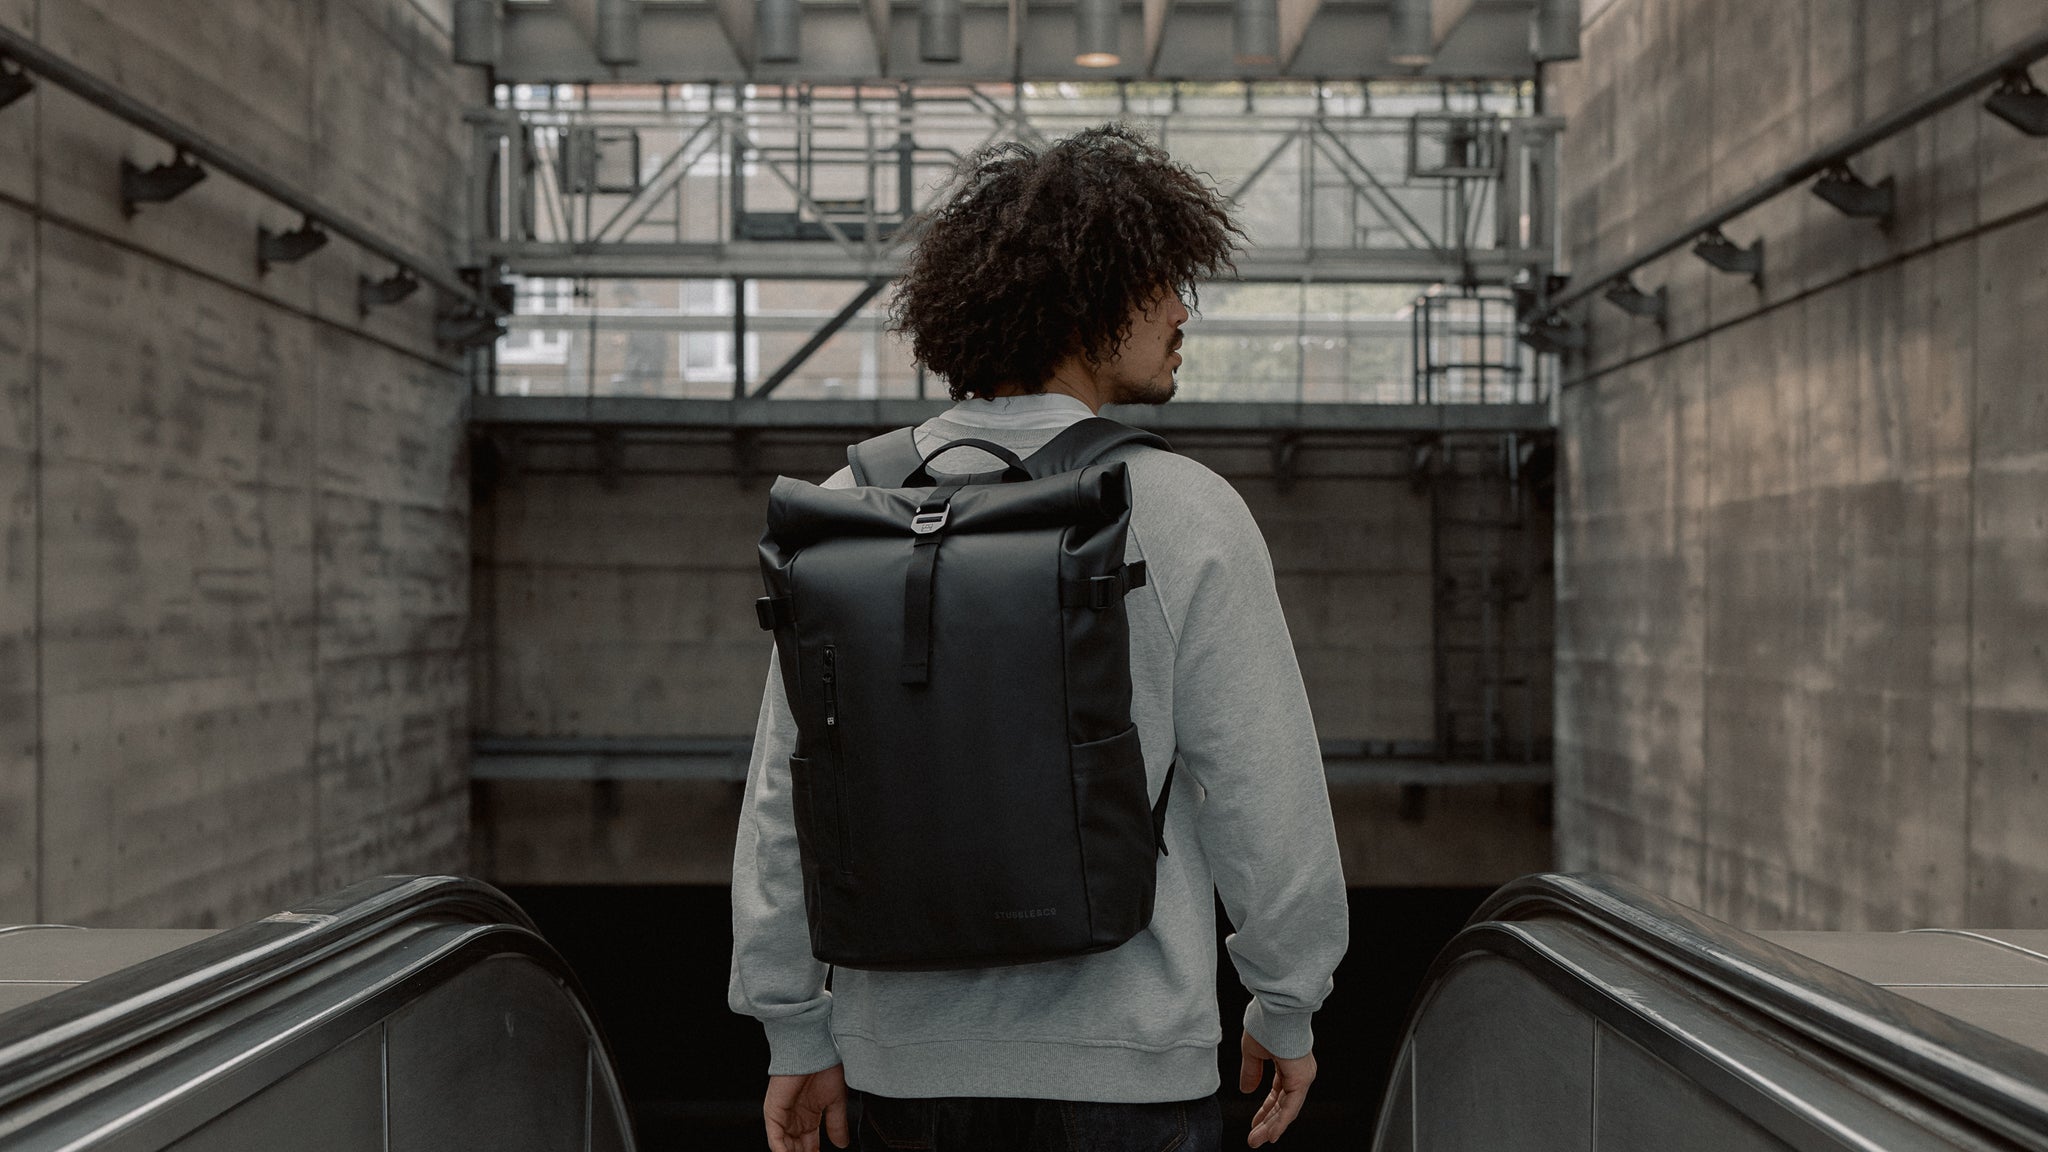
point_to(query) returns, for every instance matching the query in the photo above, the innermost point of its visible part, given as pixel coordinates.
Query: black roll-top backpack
(969, 789)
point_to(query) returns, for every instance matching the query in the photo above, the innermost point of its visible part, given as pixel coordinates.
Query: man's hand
(1290, 1088)
(795, 1104)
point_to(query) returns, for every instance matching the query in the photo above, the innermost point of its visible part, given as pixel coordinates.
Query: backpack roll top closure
(801, 514)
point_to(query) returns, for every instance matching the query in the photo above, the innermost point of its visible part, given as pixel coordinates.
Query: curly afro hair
(1041, 253)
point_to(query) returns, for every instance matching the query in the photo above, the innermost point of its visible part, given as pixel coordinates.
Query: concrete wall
(622, 609)
(1801, 614)
(233, 512)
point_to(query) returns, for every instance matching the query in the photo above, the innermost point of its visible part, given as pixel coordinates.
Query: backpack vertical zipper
(831, 677)
(831, 687)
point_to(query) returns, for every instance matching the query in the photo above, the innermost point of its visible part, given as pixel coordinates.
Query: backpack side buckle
(1104, 591)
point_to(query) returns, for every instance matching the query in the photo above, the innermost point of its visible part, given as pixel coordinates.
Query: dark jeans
(996, 1124)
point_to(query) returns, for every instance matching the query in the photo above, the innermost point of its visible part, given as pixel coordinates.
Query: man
(1050, 285)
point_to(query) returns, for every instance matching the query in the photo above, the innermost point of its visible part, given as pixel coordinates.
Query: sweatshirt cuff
(800, 1045)
(1285, 1034)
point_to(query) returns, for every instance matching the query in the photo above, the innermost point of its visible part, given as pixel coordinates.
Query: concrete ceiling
(877, 41)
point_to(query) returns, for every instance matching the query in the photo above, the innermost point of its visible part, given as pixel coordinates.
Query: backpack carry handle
(1013, 464)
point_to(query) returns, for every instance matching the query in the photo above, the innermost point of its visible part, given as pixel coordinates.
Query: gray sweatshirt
(1213, 673)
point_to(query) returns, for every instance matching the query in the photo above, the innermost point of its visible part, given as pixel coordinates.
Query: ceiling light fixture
(779, 31)
(1554, 30)
(1097, 32)
(1256, 25)
(618, 32)
(938, 31)
(1411, 37)
(479, 32)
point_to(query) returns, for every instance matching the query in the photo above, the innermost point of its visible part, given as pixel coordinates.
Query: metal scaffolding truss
(715, 182)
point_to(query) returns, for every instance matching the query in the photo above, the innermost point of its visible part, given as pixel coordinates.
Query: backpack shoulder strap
(1084, 442)
(887, 460)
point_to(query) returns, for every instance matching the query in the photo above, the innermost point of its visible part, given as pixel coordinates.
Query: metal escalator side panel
(493, 1059)
(47, 1039)
(1994, 1083)
(1556, 1030)
(333, 1104)
(1394, 1127)
(1501, 1062)
(209, 1070)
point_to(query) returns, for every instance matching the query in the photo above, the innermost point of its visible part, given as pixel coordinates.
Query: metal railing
(191, 145)
(667, 340)
(1543, 322)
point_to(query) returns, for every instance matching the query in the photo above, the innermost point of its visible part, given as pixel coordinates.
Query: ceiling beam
(582, 16)
(1018, 13)
(1445, 16)
(1295, 17)
(736, 20)
(1156, 12)
(878, 27)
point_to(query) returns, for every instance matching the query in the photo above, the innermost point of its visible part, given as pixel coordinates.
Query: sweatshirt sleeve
(774, 978)
(1241, 718)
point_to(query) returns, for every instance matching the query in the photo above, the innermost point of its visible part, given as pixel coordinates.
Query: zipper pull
(831, 693)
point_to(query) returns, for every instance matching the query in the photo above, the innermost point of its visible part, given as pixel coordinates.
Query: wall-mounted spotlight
(1849, 193)
(1555, 335)
(938, 31)
(1554, 30)
(1411, 32)
(2017, 102)
(1723, 253)
(1531, 293)
(159, 184)
(467, 328)
(479, 32)
(778, 31)
(14, 84)
(390, 290)
(618, 32)
(1098, 33)
(1624, 294)
(1256, 27)
(287, 247)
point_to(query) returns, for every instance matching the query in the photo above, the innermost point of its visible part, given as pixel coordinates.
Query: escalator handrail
(47, 1039)
(1988, 1079)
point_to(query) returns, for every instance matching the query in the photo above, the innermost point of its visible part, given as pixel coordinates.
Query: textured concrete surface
(622, 609)
(233, 597)
(1800, 625)
(22, 562)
